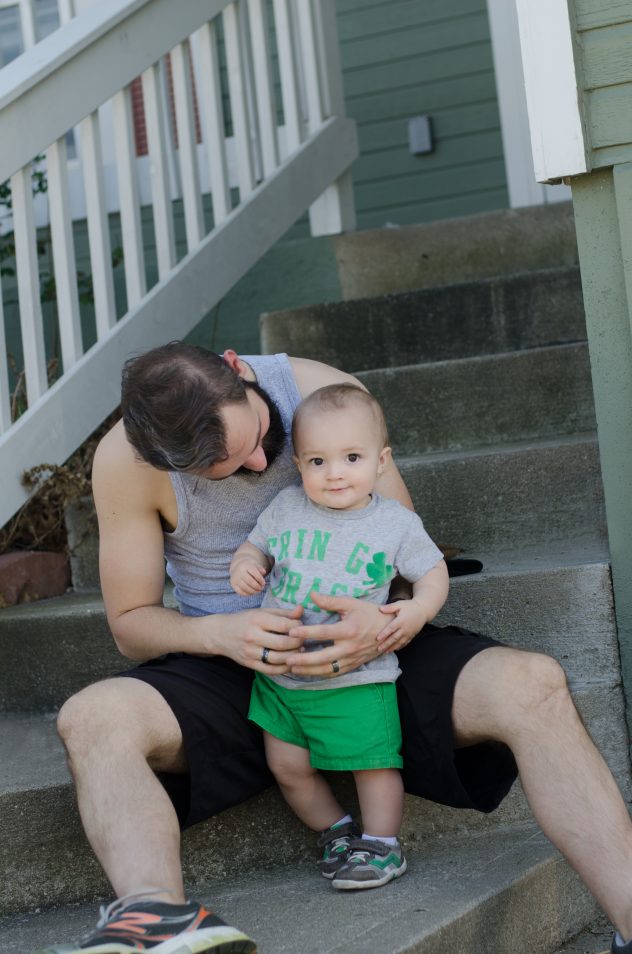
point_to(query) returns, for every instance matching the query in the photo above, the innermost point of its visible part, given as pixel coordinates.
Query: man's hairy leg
(116, 733)
(522, 699)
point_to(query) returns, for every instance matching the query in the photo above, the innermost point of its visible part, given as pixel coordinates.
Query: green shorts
(344, 729)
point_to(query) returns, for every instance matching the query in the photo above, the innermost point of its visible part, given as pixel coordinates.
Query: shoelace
(108, 911)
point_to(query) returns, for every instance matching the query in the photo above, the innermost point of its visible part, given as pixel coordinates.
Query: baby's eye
(316, 461)
(352, 458)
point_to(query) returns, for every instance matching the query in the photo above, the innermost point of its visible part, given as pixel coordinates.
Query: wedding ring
(335, 666)
(265, 652)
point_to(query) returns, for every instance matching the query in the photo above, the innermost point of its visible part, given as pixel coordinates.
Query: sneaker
(370, 864)
(160, 928)
(618, 947)
(335, 844)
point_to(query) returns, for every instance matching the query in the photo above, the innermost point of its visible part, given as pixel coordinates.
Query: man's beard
(275, 437)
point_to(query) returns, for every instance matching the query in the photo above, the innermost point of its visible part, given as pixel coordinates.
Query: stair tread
(450, 880)
(31, 754)
(510, 448)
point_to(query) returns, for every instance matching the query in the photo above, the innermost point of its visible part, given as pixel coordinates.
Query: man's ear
(232, 359)
(383, 459)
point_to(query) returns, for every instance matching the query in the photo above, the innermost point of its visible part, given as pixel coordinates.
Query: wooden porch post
(603, 217)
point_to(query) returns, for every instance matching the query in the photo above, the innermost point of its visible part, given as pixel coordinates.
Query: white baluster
(288, 68)
(159, 170)
(238, 100)
(28, 285)
(310, 64)
(334, 211)
(125, 147)
(187, 149)
(98, 226)
(266, 106)
(212, 116)
(66, 11)
(5, 395)
(64, 255)
(27, 23)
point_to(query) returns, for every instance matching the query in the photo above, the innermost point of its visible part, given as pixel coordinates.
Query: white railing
(260, 179)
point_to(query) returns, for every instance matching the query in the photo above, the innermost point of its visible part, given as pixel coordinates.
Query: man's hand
(354, 637)
(245, 635)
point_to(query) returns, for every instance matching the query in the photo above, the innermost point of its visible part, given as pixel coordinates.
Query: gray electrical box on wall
(420, 135)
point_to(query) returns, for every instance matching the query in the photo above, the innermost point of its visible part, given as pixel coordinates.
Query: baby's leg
(381, 797)
(377, 857)
(303, 787)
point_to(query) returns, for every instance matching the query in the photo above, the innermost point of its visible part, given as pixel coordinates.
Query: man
(202, 448)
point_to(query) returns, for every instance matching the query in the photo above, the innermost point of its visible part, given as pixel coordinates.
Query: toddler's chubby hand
(247, 577)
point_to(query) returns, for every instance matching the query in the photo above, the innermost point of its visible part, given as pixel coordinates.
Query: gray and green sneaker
(370, 864)
(335, 843)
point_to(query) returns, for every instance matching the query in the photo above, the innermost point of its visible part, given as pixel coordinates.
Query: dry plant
(39, 524)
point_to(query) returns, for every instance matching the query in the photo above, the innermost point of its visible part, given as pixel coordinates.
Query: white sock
(391, 840)
(343, 821)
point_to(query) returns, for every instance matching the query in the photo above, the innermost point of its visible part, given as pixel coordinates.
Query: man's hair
(339, 397)
(171, 400)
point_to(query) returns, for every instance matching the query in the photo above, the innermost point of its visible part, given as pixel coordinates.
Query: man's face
(254, 435)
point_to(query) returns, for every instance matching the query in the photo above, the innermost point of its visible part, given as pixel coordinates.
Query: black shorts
(227, 765)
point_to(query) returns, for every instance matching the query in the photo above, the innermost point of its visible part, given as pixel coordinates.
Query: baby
(336, 535)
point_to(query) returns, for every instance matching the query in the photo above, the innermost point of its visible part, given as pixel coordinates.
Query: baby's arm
(248, 569)
(409, 616)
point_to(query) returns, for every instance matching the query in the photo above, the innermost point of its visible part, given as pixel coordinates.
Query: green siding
(604, 39)
(405, 58)
(595, 13)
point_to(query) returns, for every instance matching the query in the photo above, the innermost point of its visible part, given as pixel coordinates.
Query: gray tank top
(216, 516)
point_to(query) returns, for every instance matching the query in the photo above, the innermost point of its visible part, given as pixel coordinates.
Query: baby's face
(340, 457)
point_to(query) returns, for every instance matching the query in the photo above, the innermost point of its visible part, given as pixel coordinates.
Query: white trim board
(524, 189)
(557, 132)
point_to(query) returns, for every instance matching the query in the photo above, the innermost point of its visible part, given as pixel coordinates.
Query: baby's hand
(407, 618)
(247, 578)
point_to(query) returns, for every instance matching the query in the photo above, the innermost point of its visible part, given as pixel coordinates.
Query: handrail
(66, 82)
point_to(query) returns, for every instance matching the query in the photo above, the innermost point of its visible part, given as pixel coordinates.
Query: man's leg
(116, 734)
(522, 700)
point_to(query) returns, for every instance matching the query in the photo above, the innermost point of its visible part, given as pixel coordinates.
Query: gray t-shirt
(346, 552)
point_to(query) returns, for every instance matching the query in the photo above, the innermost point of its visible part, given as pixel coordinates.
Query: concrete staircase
(487, 391)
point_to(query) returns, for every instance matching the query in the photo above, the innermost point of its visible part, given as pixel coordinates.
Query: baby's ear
(383, 459)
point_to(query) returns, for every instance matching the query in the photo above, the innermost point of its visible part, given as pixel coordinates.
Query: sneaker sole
(364, 885)
(220, 940)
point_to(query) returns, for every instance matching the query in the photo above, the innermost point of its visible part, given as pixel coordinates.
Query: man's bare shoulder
(117, 468)
(311, 375)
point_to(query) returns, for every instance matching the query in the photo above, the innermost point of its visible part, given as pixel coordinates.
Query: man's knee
(505, 690)
(88, 717)
(538, 681)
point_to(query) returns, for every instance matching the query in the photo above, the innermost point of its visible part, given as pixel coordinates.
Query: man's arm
(130, 497)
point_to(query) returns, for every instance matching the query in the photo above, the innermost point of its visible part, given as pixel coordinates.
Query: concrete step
(460, 404)
(533, 597)
(379, 261)
(465, 893)
(594, 939)
(565, 610)
(487, 316)
(503, 499)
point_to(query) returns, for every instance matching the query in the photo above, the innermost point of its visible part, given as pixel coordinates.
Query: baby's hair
(339, 397)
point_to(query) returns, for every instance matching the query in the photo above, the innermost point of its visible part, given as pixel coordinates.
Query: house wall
(604, 67)
(403, 58)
